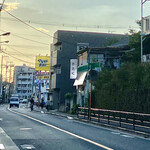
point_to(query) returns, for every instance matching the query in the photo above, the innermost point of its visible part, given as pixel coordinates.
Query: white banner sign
(73, 68)
(146, 25)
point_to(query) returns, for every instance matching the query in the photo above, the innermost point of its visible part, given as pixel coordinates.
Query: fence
(128, 120)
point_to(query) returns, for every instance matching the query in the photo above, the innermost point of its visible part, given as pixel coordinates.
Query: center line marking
(75, 135)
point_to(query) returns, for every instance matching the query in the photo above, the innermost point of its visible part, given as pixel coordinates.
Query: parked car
(20, 100)
(14, 101)
(24, 101)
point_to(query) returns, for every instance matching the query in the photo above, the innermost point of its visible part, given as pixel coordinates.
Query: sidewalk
(55, 112)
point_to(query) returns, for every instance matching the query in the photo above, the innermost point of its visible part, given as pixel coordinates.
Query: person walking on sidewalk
(42, 103)
(31, 103)
(48, 105)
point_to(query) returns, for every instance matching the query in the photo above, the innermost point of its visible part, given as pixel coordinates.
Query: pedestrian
(31, 103)
(42, 103)
(48, 105)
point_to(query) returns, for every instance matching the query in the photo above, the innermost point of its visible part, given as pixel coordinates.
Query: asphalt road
(39, 131)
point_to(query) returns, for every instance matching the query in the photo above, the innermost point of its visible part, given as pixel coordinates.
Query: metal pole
(141, 31)
(1, 74)
(90, 103)
(6, 72)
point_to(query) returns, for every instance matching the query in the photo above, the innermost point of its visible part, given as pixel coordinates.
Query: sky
(48, 16)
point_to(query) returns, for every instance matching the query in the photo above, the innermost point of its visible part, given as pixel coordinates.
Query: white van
(14, 101)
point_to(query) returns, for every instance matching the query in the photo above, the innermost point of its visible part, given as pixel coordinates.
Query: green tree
(134, 55)
(126, 89)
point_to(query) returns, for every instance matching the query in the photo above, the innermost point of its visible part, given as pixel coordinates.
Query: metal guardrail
(128, 120)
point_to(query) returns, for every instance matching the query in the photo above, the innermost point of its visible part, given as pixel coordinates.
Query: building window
(81, 46)
(96, 58)
(57, 70)
(147, 24)
(58, 47)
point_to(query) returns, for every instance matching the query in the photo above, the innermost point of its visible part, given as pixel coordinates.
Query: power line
(18, 51)
(27, 24)
(27, 39)
(30, 40)
(26, 46)
(18, 58)
(18, 54)
(37, 29)
(73, 25)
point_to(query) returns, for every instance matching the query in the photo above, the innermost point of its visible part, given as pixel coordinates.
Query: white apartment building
(23, 81)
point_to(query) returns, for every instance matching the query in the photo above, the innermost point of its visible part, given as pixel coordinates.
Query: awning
(80, 78)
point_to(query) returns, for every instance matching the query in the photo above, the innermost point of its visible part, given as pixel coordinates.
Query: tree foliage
(135, 45)
(126, 89)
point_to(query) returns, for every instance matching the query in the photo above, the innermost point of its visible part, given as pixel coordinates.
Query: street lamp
(5, 34)
(142, 3)
(4, 42)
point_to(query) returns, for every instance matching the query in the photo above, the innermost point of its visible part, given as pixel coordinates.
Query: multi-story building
(23, 81)
(65, 47)
(90, 62)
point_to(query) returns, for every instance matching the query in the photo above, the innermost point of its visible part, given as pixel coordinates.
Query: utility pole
(6, 72)
(1, 75)
(10, 73)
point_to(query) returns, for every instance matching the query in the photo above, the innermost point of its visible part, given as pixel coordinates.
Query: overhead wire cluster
(44, 33)
(30, 39)
(72, 25)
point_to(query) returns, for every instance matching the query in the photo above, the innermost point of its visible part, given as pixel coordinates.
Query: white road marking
(42, 112)
(25, 146)
(25, 128)
(127, 136)
(67, 132)
(69, 117)
(124, 135)
(117, 133)
(2, 147)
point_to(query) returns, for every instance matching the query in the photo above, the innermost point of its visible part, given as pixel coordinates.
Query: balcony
(24, 82)
(24, 88)
(24, 77)
(54, 58)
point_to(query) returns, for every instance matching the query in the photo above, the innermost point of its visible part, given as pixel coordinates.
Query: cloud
(10, 6)
(43, 30)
